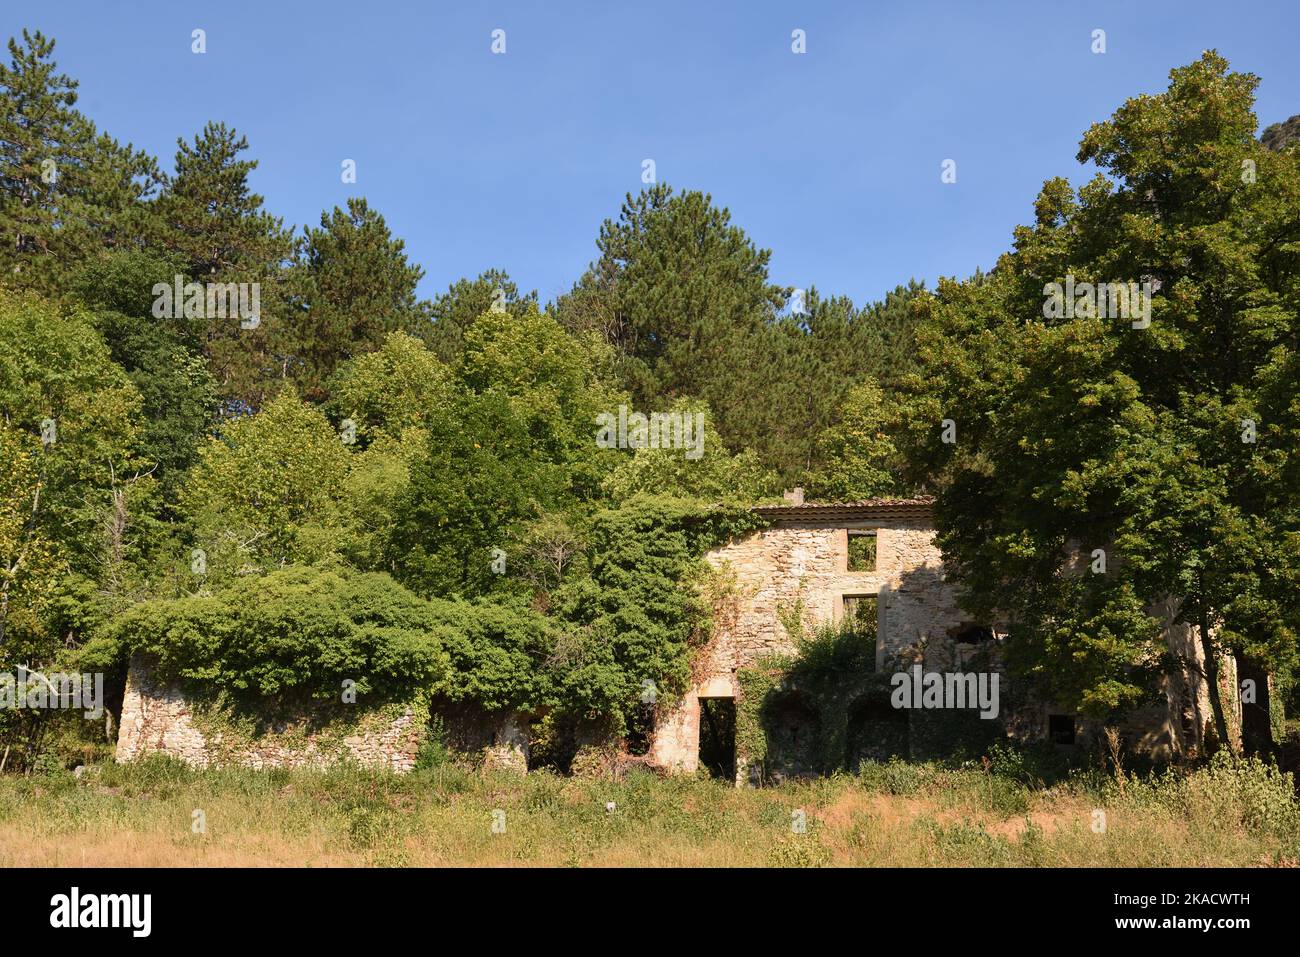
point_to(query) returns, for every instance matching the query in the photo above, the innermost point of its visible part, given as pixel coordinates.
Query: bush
(1247, 791)
(1228, 792)
(895, 777)
(303, 630)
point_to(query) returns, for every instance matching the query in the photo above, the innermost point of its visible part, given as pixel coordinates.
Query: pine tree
(210, 220)
(67, 192)
(350, 285)
(680, 292)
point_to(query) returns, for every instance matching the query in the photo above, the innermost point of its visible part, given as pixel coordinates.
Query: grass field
(160, 813)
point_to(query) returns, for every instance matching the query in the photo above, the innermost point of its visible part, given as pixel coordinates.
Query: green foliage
(895, 776)
(676, 290)
(1229, 792)
(858, 457)
(73, 474)
(268, 492)
(209, 219)
(554, 384)
(479, 481)
(862, 556)
(351, 286)
(399, 386)
(67, 191)
(514, 442)
(30, 558)
(642, 611)
(715, 476)
(54, 366)
(1078, 433)
(457, 309)
(177, 393)
(294, 632)
(501, 655)
(800, 385)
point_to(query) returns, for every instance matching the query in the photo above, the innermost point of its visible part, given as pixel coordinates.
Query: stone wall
(802, 562)
(157, 717)
(501, 738)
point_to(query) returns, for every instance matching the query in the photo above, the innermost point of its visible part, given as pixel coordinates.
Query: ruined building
(828, 561)
(820, 562)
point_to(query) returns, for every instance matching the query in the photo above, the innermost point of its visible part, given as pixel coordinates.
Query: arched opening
(875, 731)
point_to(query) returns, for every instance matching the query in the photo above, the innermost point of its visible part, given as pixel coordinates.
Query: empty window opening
(862, 551)
(718, 737)
(971, 634)
(861, 613)
(1060, 728)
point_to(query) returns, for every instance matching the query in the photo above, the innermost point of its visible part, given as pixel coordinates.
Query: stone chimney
(794, 495)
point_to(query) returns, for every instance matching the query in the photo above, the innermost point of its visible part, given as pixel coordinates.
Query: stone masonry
(802, 561)
(156, 717)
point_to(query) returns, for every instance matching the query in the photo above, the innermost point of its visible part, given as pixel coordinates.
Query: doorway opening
(718, 737)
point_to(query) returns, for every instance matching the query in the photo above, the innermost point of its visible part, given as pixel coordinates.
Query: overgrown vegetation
(891, 814)
(364, 486)
(826, 708)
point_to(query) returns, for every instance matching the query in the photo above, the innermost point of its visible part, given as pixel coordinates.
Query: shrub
(296, 630)
(895, 777)
(1247, 791)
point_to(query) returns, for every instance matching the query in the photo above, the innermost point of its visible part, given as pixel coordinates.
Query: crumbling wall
(158, 718)
(804, 565)
(501, 738)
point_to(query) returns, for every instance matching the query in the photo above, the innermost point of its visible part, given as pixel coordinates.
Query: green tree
(269, 491)
(677, 290)
(67, 192)
(30, 562)
(177, 392)
(351, 286)
(208, 219)
(478, 483)
(452, 313)
(58, 382)
(1169, 446)
(715, 476)
(555, 383)
(400, 386)
(857, 456)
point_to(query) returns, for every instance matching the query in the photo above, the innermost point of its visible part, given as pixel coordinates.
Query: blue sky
(831, 159)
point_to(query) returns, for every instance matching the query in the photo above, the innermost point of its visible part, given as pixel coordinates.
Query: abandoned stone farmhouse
(821, 562)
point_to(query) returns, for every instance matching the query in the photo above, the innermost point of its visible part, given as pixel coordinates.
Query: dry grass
(145, 816)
